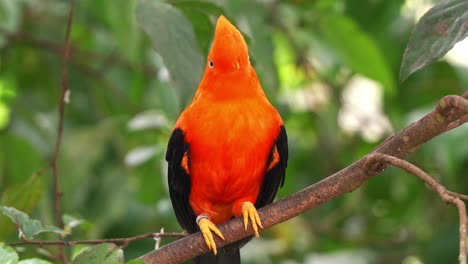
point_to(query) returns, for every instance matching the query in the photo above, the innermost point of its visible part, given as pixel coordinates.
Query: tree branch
(445, 195)
(449, 114)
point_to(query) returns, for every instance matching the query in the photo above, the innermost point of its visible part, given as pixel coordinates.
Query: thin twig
(63, 100)
(461, 196)
(446, 196)
(76, 53)
(124, 241)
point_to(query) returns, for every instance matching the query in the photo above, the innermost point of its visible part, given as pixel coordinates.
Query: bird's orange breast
(230, 144)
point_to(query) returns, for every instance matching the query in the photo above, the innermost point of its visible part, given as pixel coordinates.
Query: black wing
(179, 181)
(274, 177)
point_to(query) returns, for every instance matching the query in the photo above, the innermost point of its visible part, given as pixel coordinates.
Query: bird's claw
(250, 212)
(206, 227)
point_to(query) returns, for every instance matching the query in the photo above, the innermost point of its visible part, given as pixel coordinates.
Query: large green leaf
(435, 34)
(173, 37)
(100, 254)
(17, 151)
(199, 15)
(357, 49)
(29, 227)
(120, 22)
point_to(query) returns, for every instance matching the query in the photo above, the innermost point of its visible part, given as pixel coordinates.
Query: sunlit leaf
(4, 115)
(148, 120)
(8, 255)
(29, 227)
(140, 155)
(289, 74)
(173, 37)
(6, 94)
(435, 34)
(100, 254)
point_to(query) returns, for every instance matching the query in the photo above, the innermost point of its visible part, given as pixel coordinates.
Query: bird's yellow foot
(206, 227)
(250, 212)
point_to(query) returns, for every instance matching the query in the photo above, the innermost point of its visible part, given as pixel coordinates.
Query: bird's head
(228, 73)
(229, 51)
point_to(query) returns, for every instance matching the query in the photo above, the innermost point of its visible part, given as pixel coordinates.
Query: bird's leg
(206, 227)
(250, 212)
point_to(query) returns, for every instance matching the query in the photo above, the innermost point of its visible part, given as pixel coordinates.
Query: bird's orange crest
(229, 50)
(228, 73)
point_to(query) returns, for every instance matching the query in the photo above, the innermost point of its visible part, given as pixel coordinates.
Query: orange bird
(228, 152)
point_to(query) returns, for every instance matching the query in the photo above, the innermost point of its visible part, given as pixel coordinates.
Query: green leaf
(202, 26)
(7, 92)
(24, 197)
(118, 14)
(198, 6)
(357, 49)
(435, 34)
(100, 254)
(288, 73)
(18, 151)
(8, 255)
(135, 262)
(173, 37)
(10, 16)
(255, 24)
(29, 227)
(34, 261)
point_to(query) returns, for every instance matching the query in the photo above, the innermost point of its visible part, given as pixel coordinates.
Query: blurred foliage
(9, 256)
(100, 253)
(330, 67)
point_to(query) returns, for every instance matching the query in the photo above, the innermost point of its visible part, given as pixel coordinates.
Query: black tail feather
(229, 254)
(223, 257)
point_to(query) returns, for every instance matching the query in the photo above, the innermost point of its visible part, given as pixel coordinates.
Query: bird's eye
(211, 64)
